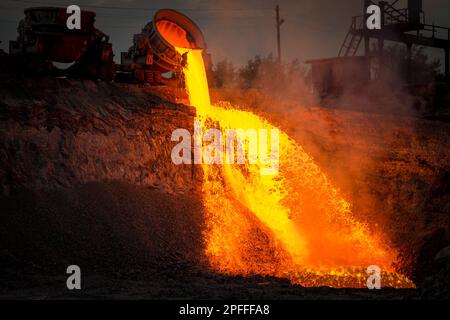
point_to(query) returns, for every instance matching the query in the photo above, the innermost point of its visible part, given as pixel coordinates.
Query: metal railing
(395, 16)
(435, 32)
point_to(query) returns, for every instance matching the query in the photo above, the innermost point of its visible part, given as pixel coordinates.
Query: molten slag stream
(293, 224)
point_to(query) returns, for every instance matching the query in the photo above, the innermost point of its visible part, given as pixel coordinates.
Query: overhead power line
(305, 21)
(143, 8)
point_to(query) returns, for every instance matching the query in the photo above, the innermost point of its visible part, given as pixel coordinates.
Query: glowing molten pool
(294, 224)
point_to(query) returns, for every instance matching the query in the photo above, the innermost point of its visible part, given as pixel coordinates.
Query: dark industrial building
(403, 25)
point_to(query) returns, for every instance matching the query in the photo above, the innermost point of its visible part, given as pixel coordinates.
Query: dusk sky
(234, 29)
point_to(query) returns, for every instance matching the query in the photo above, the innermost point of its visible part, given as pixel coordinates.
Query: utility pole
(279, 23)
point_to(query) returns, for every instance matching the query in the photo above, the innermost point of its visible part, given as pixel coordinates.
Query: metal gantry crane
(404, 25)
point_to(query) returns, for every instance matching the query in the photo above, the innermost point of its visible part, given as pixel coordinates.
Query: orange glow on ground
(294, 224)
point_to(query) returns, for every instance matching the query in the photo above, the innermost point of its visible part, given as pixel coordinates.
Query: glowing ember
(293, 224)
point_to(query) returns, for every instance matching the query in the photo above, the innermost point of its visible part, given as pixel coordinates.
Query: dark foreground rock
(131, 242)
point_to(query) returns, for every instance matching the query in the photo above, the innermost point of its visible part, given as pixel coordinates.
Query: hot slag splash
(293, 224)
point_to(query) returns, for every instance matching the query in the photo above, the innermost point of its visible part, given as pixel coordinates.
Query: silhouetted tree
(224, 74)
(264, 73)
(421, 68)
(249, 73)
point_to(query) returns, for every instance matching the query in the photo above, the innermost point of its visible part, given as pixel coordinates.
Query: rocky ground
(130, 242)
(87, 179)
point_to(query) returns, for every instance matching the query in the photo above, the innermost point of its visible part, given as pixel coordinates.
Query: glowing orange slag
(293, 224)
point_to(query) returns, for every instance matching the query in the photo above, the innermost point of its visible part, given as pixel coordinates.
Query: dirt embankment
(58, 132)
(87, 178)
